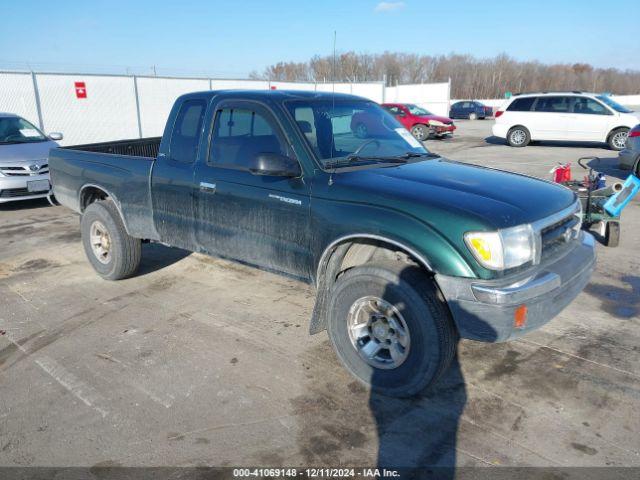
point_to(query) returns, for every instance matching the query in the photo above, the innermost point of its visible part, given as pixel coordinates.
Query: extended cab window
(553, 104)
(186, 131)
(240, 134)
(521, 104)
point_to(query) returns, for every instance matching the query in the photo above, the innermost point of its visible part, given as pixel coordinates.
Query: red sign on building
(81, 90)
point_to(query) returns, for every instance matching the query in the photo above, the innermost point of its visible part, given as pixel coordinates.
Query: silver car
(24, 150)
(630, 157)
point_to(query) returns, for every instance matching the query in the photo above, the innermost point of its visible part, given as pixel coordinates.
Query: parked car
(565, 116)
(24, 169)
(419, 121)
(630, 156)
(408, 251)
(471, 109)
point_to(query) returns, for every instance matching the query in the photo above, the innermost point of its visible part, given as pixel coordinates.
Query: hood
(436, 117)
(441, 191)
(25, 152)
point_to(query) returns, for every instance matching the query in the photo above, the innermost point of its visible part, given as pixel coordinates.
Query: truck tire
(617, 139)
(420, 132)
(112, 252)
(390, 327)
(518, 137)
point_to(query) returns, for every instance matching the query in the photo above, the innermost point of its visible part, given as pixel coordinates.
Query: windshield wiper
(358, 158)
(419, 155)
(392, 159)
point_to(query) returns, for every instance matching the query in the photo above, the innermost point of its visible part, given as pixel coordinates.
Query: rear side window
(240, 134)
(521, 104)
(186, 131)
(553, 104)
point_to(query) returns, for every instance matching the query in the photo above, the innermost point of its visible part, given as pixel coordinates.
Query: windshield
(18, 130)
(351, 130)
(613, 104)
(416, 110)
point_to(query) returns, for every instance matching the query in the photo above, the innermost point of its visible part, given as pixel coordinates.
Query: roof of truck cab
(7, 114)
(278, 95)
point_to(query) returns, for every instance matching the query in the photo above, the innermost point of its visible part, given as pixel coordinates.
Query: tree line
(470, 77)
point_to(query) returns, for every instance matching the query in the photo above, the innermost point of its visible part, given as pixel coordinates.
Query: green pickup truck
(408, 251)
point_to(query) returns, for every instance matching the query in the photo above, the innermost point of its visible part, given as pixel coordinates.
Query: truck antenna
(333, 103)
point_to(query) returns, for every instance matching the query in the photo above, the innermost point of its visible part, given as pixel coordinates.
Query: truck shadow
(156, 257)
(418, 435)
(341, 422)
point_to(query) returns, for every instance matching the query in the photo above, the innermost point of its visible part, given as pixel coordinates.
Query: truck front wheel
(390, 327)
(112, 252)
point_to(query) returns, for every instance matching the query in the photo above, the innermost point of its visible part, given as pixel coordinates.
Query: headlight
(503, 249)
(436, 123)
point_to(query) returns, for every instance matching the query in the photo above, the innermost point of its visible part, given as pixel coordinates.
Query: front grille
(19, 192)
(23, 170)
(554, 237)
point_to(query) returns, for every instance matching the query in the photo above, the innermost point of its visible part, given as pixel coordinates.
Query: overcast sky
(232, 38)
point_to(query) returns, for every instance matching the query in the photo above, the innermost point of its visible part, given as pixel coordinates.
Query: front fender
(339, 225)
(335, 222)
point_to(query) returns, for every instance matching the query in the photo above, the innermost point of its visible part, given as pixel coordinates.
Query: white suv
(567, 116)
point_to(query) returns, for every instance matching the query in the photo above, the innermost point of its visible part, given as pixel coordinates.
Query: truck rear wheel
(112, 252)
(390, 328)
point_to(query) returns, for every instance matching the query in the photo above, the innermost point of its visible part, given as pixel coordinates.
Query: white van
(565, 116)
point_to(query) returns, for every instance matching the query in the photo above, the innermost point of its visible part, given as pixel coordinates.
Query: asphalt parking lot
(199, 361)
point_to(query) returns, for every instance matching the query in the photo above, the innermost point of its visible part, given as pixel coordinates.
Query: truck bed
(122, 169)
(142, 147)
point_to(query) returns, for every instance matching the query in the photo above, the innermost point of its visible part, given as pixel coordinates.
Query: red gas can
(562, 173)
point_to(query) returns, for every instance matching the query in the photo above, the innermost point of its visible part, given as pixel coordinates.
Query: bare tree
(470, 77)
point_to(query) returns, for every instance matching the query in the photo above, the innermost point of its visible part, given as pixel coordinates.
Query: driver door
(261, 220)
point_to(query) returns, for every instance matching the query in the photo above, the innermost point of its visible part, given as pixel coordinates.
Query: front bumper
(442, 129)
(484, 309)
(15, 188)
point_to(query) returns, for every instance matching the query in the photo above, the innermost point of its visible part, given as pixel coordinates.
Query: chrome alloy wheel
(619, 140)
(378, 332)
(518, 137)
(100, 242)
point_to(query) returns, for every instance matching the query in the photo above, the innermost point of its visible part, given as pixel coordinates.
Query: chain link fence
(90, 108)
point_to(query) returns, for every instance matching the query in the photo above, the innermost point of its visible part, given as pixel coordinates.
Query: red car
(420, 122)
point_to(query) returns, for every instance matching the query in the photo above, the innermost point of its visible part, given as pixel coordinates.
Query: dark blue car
(470, 109)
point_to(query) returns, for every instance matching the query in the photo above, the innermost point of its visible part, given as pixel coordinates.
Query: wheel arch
(348, 252)
(91, 193)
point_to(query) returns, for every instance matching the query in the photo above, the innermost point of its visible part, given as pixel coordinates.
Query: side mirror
(56, 136)
(274, 165)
